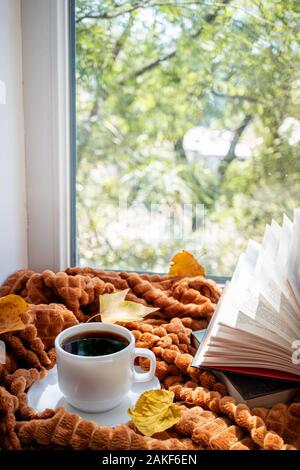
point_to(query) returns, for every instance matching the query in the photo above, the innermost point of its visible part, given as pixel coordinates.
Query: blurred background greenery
(184, 102)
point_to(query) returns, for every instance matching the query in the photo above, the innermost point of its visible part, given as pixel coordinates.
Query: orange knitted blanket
(210, 419)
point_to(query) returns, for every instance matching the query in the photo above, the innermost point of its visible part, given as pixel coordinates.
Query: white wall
(13, 220)
(47, 125)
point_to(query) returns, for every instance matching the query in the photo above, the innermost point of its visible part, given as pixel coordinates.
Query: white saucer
(45, 393)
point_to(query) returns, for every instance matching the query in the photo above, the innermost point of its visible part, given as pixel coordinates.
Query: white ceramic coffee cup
(99, 383)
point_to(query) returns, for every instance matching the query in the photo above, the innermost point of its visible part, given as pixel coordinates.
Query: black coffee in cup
(95, 343)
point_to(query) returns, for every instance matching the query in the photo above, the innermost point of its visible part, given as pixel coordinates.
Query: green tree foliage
(147, 72)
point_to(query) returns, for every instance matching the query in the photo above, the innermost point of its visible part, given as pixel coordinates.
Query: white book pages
(273, 289)
(244, 352)
(276, 230)
(237, 323)
(229, 348)
(241, 279)
(223, 362)
(238, 337)
(268, 251)
(275, 293)
(230, 301)
(273, 321)
(257, 317)
(252, 306)
(293, 270)
(234, 301)
(250, 325)
(252, 252)
(244, 270)
(281, 304)
(251, 361)
(284, 245)
(269, 247)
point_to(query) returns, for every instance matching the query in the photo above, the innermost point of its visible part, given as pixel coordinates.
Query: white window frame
(50, 133)
(46, 64)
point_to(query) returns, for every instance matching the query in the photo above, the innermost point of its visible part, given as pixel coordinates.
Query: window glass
(188, 128)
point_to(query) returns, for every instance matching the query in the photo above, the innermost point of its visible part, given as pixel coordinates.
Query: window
(188, 128)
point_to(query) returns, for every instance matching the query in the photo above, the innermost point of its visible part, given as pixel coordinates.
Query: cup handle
(144, 376)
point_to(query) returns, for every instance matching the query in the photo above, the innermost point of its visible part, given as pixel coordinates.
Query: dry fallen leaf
(11, 307)
(114, 308)
(155, 412)
(184, 264)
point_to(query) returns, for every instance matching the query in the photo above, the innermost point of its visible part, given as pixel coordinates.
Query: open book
(256, 326)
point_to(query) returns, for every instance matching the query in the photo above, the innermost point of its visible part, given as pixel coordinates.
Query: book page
(281, 273)
(258, 310)
(273, 288)
(262, 250)
(238, 337)
(249, 325)
(265, 318)
(268, 250)
(276, 230)
(276, 323)
(276, 298)
(247, 311)
(284, 245)
(293, 269)
(234, 347)
(230, 301)
(244, 270)
(226, 336)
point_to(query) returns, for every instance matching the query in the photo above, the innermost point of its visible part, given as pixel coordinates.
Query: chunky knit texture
(210, 419)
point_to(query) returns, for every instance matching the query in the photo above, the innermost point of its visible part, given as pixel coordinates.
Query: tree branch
(151, 65)
(121, 40)
(146, 4)
(236, 138)
(208, 18)
(86, 137)
(106, 15)
(250, 99)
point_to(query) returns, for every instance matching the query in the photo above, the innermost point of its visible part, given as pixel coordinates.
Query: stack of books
(255, 330)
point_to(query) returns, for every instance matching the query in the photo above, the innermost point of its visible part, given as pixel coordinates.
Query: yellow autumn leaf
(11, 307)
(155, 412)
(184, 264)
(114, 308)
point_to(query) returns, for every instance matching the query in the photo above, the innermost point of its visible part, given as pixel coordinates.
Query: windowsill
(220, 280)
